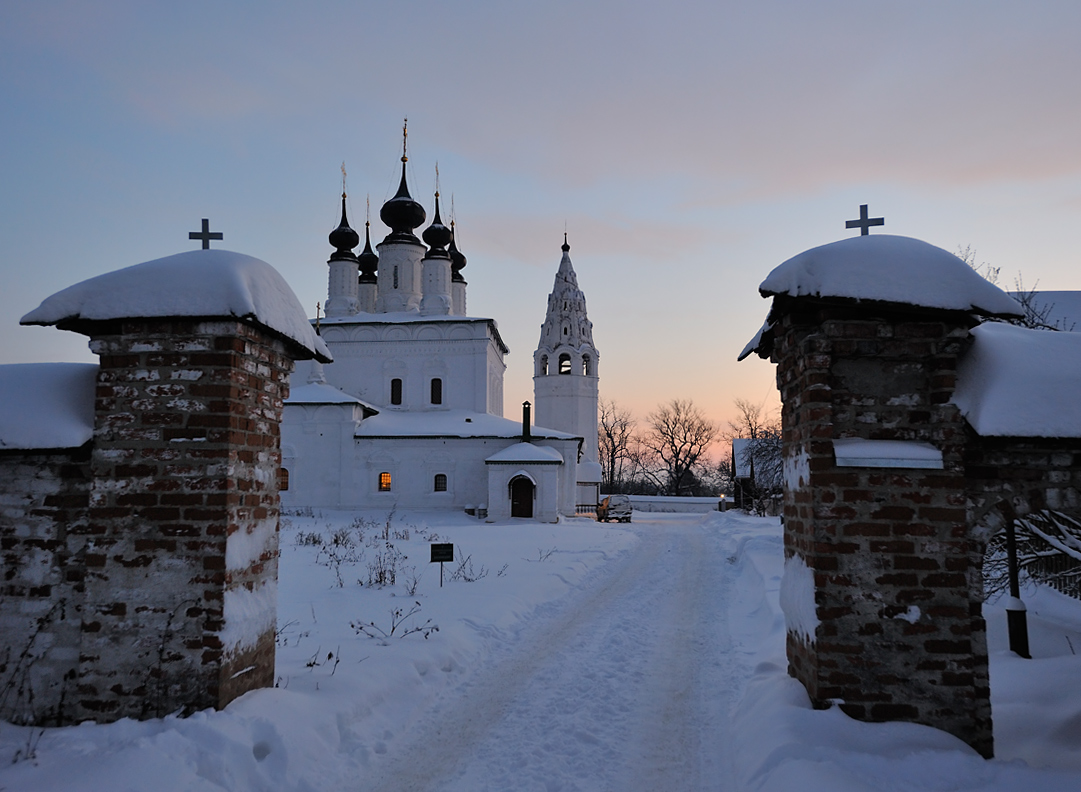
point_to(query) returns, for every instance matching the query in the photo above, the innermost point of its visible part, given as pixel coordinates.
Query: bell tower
(565, 368)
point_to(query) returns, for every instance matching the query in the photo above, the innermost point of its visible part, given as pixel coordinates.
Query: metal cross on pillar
(206, 234)
(865, 222)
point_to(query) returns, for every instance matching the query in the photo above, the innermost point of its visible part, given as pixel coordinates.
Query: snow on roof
(204, 283)
(322, 393)
(1016, 382)
(449, 423)
(526, 453)
(46, 405)
(891, 269)
(743, 467)
(861, 452)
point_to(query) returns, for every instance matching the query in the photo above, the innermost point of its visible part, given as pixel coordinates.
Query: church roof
(449, 423)
(46, 405)
(566, 323)
(526, 453)
(198, 283)
(1016, 382)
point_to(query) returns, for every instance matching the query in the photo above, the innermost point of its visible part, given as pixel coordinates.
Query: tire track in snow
(623, 690)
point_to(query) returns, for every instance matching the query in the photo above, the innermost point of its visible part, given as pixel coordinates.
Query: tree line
(668, 452)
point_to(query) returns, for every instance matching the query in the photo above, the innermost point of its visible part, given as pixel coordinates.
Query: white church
(410, 413)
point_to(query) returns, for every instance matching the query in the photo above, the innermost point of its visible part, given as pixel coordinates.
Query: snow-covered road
(626, 685)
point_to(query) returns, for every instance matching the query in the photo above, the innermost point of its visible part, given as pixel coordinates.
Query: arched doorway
(521, 497)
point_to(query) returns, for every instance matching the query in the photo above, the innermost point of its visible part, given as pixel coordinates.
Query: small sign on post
(442, 553)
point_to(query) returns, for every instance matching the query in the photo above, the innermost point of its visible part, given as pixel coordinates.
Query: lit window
(564, 363)
(440, 482)
(384, 482)
(437, 391)
(395, 391)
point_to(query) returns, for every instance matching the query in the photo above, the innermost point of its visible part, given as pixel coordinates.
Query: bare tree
(615, 437)
(674, 444)
(1037, 313)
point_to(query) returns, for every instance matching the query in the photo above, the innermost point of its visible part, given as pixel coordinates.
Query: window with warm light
(384, 482)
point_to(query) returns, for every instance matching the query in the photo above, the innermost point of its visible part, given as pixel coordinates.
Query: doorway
(521, 497)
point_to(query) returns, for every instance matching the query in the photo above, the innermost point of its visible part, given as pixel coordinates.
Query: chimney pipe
(526, 437)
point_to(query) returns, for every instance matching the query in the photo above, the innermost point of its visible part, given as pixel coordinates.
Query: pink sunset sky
(686, 149)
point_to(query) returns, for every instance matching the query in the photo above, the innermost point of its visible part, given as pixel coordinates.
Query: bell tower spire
(565, 375)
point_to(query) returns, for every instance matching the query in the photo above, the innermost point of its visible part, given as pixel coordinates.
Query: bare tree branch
(674, 444)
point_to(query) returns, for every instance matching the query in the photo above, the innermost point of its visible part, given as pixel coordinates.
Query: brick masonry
(897, 573)
(160, 540)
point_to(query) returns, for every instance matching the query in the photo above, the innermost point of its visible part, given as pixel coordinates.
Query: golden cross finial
(368, 213)
(437, 180)
(405, 139)
(343, 178)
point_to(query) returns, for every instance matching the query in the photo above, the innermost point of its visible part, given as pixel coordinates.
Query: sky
(686, 151)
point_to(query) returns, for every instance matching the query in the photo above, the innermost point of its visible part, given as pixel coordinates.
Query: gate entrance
(521, 497)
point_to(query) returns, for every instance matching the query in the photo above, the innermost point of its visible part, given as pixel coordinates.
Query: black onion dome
(566, 248)
(402, 214)
(369, 261)
(344, 239)
(457, 259)
(437, 235)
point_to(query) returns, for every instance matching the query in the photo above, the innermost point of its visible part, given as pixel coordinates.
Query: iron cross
(206, 234)
(865, 222)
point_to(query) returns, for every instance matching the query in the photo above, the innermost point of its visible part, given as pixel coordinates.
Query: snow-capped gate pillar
(179, 608)
(882, 590)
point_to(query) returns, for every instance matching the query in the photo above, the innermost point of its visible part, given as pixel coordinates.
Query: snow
(527, 452)
(797, 470)
(448, 423)
(243, 548)
(860, 452)
(798, 598)
(321, 393)
(249, 613)
(590, 657)
(202, 283)
(46, 405)
(1016, 382)
(892, 269)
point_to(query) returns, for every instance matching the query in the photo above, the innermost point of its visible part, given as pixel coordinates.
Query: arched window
(440, 484)
(437, 390)
(564, 363)
(395, 276)
(587, 365)
(395, 391)
(283, 479)
(384, 482)
(543, 369)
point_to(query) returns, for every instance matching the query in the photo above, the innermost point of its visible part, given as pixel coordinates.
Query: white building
(409, 414)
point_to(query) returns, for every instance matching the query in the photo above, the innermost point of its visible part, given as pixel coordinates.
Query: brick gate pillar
(882, 590)
(180, 600)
